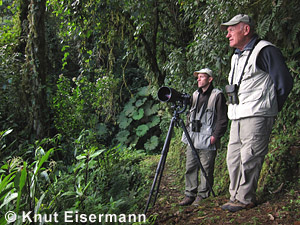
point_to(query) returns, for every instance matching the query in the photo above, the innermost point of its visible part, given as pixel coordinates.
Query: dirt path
(281, 208)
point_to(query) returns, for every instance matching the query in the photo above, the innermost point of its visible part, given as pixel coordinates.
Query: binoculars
(196, 125)
(232, 93)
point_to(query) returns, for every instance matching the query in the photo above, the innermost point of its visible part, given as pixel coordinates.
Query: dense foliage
(78, 84)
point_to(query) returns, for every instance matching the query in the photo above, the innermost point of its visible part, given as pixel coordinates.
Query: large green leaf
(144, 91)
(8, 198)
(140, 102)
(141, 130)
(6, 181)
(132, 100)
(137, 115)
(129, 109)
(152, 143)
(20, 181)
(4, 133)
(39, 203)
(151, 109)
(155, 121)
(122, 117)
(101, 129)
(125, 123)
(95, 154)
(42, 160)
(122, 136)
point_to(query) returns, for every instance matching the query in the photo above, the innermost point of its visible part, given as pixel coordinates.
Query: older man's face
(237, 35)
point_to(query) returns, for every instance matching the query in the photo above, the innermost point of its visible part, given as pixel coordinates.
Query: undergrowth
(280, 168)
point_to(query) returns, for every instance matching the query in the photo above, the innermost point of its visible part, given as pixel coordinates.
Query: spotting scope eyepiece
(167, 94)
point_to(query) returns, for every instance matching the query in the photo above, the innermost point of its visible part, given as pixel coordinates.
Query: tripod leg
(197, 155)
(161, 165)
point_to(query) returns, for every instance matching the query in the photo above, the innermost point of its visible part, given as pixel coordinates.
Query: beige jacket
(257, 95)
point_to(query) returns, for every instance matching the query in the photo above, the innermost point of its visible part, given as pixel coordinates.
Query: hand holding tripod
(166, 94)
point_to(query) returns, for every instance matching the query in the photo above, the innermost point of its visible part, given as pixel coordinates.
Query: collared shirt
(271, 61)
(248, 47)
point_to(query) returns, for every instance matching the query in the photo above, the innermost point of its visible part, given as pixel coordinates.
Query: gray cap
(237, 19)
(205, 70)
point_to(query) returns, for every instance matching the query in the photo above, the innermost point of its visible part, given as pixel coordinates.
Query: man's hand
(213, 140)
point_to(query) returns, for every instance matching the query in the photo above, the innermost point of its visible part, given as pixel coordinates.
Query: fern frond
(295, 31)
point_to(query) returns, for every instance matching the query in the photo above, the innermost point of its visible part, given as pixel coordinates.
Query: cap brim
(225, 25)
(196, 73)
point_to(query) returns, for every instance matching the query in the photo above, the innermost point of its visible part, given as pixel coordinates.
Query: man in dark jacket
(207, 124)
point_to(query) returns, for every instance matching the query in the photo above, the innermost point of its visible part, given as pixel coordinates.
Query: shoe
(187, 201)
(197, 201)
(226, 205)
(237, 206)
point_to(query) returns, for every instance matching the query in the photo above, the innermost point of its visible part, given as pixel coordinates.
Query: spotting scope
(167, 94)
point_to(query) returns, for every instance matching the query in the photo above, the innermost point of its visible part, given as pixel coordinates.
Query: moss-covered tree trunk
(34, 77)
(23, 17)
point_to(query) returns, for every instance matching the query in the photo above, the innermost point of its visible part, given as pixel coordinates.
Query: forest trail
(282, 207)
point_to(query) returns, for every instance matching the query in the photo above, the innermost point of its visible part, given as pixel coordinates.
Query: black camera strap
(246, 62)
(204, 106)
(242, 74)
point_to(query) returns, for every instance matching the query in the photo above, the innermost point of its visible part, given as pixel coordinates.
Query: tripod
(160, 168)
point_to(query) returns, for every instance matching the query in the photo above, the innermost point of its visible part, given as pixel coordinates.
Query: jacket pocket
(250, 95)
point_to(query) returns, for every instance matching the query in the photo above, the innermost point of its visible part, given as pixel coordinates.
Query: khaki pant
(247, 147)
(207, 159)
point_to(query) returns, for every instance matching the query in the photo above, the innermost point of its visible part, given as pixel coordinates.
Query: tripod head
(179, 100)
